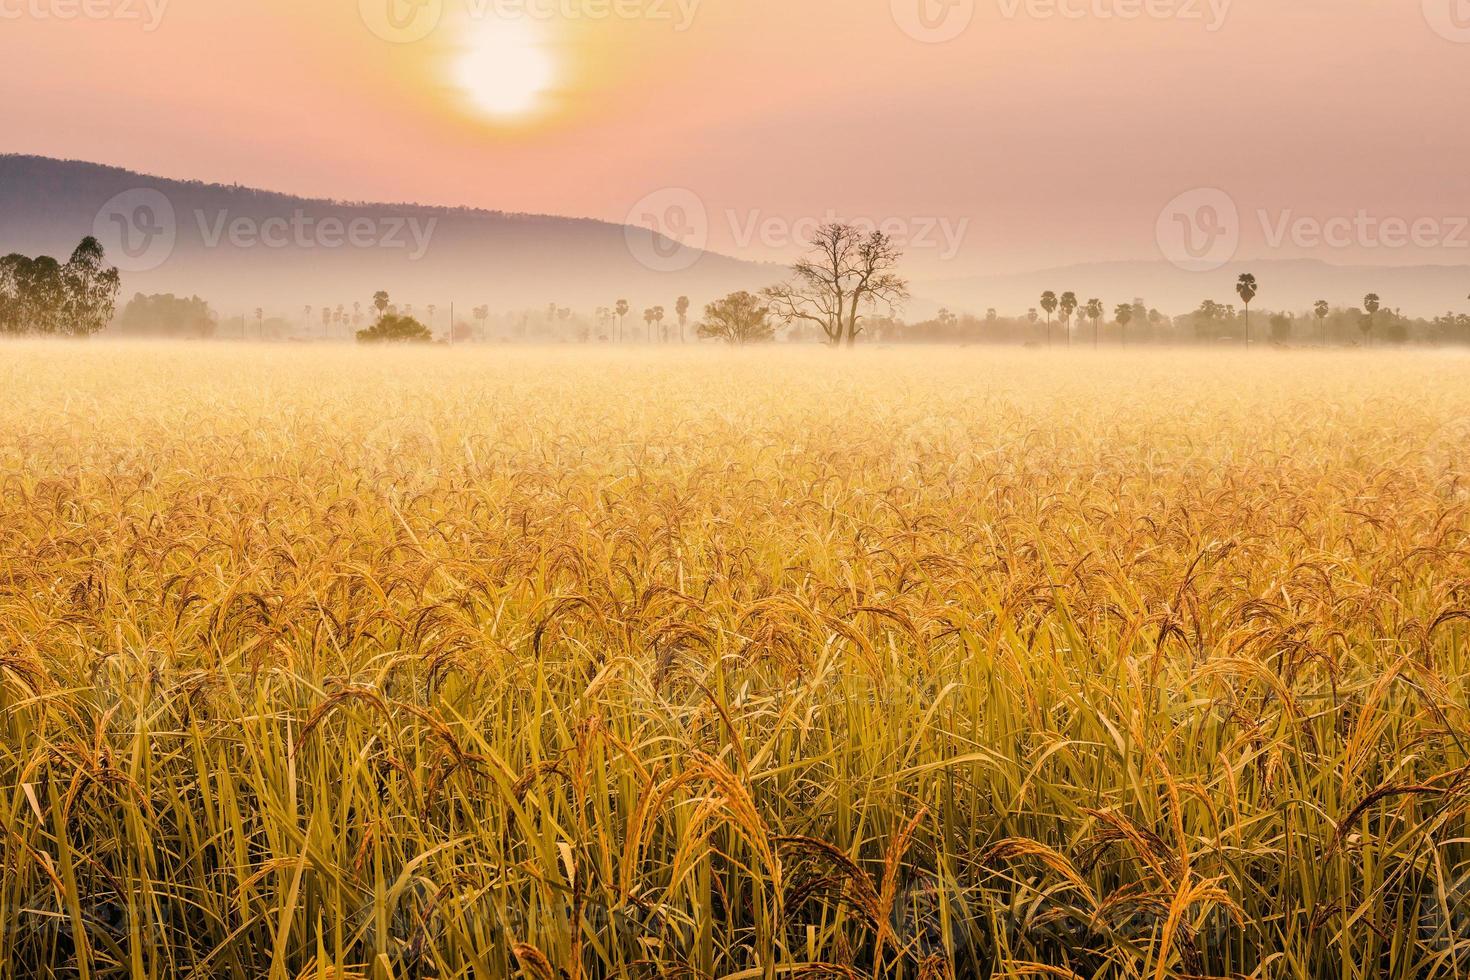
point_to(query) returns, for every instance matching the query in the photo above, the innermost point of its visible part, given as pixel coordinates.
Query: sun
(505, 69)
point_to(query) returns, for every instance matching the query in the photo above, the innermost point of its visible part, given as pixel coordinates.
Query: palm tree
(1124, 313)
(658, 321)
(307, 320)
(1068, 305)
(380, 303)
(681, 310)
(1321, 310)
(648, 323)
(326, 322)
(1049, 304)
(1247, 289)
(1372, 305)
(622, 310)
(1095, 312)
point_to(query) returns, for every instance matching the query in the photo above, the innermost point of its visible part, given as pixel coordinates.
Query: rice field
(328, 663)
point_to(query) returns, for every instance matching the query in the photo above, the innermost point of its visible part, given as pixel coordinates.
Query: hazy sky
(1045, 132)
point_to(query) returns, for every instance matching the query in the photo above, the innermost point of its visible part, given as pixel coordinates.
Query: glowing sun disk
(505, 68)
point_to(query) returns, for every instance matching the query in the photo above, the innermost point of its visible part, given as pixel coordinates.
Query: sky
(992, 135)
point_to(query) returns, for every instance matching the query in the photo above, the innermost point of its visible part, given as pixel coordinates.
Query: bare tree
(846, 273)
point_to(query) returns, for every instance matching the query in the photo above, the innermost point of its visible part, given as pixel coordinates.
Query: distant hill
(241, 248)
(1286, 284)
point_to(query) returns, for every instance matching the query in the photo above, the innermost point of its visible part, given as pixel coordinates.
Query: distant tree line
(41, 296)
(167, 315)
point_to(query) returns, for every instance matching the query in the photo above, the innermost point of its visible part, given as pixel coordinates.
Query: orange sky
(1037, 137)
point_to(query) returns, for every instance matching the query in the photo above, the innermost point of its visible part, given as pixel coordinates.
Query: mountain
(1286, 284)
(241, 248)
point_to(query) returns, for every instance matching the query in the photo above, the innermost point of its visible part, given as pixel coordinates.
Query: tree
(40, 295)
(658, 322)
(90, 289)
(1095, 310)
(1322, 309)
(681, 310)
(32, 292)
(739, 318)
(394, 329)
(1280, 328)
(1068, 305)
(845, 273)
(1371, 306)
(1124, 315)
(1049, 304)
(621, 309)
(1246, 287)
(380, 303)
(167, 316)
(1207, 319)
